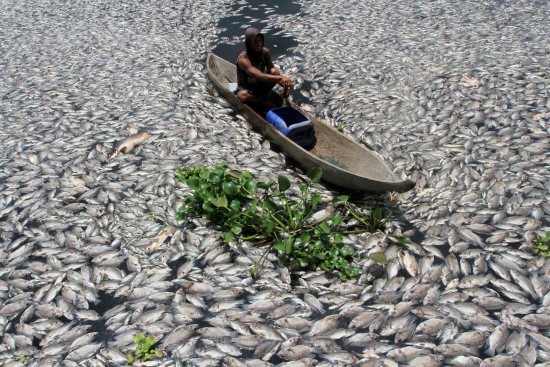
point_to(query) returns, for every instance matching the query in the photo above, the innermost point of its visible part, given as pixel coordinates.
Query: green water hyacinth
(264, 213)
(145, 349)
(541, 245)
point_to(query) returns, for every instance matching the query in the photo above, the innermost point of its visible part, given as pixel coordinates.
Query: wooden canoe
(345, 163)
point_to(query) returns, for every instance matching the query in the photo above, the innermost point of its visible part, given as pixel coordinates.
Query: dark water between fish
(255, 13)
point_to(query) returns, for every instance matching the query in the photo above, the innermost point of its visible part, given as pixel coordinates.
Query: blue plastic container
(293, 124)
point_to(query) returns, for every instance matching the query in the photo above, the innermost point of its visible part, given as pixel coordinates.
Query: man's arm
(272, 69)
(247, 67)
(269, 63)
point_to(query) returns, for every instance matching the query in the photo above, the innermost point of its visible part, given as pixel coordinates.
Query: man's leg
(247, 97)
(259, 105)
(267, 93)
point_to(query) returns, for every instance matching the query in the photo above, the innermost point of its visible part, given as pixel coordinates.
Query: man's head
(258, 43)
(254, 41)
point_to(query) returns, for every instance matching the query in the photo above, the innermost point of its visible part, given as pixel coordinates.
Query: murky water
(255, 13)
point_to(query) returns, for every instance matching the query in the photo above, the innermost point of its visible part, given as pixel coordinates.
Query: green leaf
(269, 225)
(303, 262)
(149, 342)
(321, 255)
(230, 188)
(324, 227)
(250, 186)
(254, 272)
(264, 185)
(315, 200)
(251, 206)
(284, 183)
(337, 219)
(280, 246)
(270, 205)
(139, 338)
(343, 264)
(237, 230)
(220, 202)
(341, 199)
(315, 174)
(193, 183)
(304, 238)
(180, 175)
(130, 359)
(235, 205)
(404, 240)
(214, 177)
(207, 208)
(228, 236)
(235, 173)
(338, 238)
(288, 243)
(378, 257)
(346, 251)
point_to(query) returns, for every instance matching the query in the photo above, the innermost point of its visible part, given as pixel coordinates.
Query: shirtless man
(256, 74)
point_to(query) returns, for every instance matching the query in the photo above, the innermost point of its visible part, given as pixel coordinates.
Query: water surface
(254, 13)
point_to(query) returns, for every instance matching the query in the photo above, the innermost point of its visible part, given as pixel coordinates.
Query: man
(256, 74)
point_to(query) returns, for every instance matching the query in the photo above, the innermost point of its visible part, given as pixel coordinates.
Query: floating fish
(126, 145)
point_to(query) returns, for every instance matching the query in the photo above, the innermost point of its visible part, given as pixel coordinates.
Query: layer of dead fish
(454, 96)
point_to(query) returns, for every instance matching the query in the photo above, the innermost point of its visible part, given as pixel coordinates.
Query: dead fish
(431, 326)
(430, 360)
(453, 350)
(406, 353)
(341, 357)
(295, 352)
(472, 338)
(515, 322)
(501, 360)
(465, 361)
(325, 325)
(127, 144)
(295, 323)
(516, 342)
(302, 362)
(84, 351)
(265, 331)
(250, 341)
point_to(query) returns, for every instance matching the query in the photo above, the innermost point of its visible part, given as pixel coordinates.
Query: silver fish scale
(453, 95)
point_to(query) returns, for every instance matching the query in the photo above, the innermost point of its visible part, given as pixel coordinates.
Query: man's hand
(285, 93)
(286, 82)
